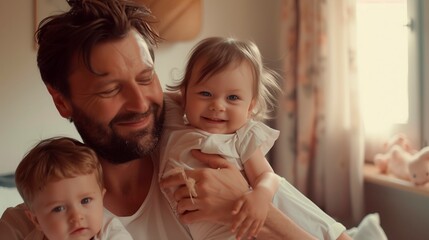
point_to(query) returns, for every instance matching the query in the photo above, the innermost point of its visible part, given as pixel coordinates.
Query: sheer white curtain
(321, 148)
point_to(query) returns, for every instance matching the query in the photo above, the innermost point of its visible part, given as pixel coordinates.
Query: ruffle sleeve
(253, 136)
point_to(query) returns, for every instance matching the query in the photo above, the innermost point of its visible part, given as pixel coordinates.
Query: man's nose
(135, 98)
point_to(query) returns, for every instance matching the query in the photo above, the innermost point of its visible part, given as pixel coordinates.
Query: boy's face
(222, 102)
(71, 208)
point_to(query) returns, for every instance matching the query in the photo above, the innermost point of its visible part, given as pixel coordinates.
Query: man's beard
(109, 145)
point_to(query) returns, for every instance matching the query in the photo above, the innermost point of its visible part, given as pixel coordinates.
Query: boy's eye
(85, 200)
(233, 97)
(58, 209)
(204, 93)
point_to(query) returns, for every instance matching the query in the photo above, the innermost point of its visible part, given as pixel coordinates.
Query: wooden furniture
(179, 20)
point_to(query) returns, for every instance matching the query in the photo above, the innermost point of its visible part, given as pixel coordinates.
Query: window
(424, 66)
(388, 58)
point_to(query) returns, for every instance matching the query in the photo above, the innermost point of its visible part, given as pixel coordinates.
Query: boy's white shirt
(113, 230)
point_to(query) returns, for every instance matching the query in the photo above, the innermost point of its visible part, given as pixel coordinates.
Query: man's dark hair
(76, 31)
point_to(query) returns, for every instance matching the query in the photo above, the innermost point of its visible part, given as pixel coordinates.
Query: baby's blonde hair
(54, 159)
(217, 53)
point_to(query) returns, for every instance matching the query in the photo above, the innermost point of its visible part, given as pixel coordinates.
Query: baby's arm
(251, 210)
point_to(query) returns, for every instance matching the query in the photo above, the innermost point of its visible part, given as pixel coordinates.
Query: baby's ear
(33, 218)
(252, 106)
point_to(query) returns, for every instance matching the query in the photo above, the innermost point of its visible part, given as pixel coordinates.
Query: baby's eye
(85, 201)
(204, 93)
(109, 93)
(233, 97)
(58, 209)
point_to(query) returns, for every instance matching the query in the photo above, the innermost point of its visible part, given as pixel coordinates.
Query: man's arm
(14, 223)
(217, 191)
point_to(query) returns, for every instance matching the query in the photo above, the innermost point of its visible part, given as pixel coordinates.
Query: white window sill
(372, 175)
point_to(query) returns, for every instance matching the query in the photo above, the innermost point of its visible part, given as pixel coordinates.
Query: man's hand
(218, 187)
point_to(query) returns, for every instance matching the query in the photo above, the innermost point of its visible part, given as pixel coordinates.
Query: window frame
(418, 84)
(424, 61)
(413, 129)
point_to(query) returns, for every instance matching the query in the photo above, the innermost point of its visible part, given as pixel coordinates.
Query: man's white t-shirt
(154, 219)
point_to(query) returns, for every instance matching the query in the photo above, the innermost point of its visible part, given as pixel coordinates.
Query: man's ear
(33, 218)
(63, 105)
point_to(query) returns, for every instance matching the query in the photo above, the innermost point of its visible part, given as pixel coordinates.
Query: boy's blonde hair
(217, 53)
(54, 159)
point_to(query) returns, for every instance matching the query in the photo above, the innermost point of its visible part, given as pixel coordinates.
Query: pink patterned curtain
(321, 145)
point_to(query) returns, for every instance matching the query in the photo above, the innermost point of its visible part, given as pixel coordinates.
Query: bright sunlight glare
(382, 58)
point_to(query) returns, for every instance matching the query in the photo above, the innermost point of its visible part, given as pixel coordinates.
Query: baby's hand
(250, 212)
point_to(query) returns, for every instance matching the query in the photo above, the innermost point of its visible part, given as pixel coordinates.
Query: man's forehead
(132, 49)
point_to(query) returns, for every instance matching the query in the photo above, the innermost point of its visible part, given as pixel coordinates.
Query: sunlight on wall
(383, 63)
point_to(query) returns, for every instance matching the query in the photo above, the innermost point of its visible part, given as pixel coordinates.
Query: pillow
(7, 180)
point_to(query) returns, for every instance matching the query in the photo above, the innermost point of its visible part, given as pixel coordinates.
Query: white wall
(27, 112)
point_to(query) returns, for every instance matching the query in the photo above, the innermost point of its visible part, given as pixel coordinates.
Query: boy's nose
(75, 217)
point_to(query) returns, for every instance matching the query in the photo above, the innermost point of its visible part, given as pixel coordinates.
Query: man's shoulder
(14, 214)
(14, 223)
